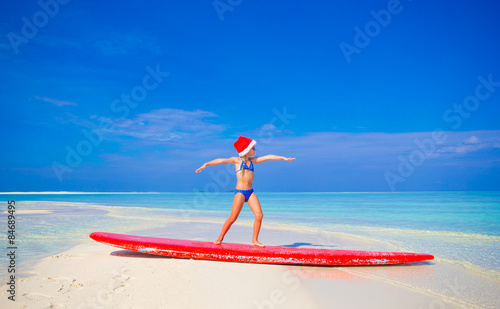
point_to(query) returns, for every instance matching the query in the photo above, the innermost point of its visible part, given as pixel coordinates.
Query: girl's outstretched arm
(271, 157)
(216, 162)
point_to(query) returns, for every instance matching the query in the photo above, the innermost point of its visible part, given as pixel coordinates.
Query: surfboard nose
(96, 235)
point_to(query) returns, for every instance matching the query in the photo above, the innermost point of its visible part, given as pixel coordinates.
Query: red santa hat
(243, 145)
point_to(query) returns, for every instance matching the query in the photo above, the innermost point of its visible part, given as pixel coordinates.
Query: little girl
(244, 178)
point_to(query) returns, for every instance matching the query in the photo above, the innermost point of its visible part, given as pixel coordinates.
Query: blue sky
(367, 95)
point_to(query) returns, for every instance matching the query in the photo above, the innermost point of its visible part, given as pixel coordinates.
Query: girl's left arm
(271, 158)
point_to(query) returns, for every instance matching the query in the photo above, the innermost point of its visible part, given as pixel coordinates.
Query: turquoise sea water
(467, 212)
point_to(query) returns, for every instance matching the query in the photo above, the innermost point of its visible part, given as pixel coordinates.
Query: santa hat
(243, 145)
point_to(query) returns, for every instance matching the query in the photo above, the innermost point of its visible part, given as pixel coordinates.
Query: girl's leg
(254, 204)
(238, 201)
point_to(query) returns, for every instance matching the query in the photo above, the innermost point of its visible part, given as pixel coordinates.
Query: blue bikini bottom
(246, 193)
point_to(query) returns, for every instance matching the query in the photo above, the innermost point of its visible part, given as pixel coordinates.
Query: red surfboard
(251, 254)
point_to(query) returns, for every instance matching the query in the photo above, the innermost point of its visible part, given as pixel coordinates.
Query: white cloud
(472, 140)
(268, 127)
(56, 101)
(334, 148)
(164, 125)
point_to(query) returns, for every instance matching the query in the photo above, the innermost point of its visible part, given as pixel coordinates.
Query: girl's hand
(289, 159)
(201, 168)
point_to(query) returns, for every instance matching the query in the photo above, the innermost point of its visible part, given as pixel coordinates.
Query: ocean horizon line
(227, 191)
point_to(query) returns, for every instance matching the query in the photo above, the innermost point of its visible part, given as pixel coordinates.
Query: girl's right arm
(216, 162)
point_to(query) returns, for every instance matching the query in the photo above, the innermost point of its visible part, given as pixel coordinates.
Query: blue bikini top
(244, 166)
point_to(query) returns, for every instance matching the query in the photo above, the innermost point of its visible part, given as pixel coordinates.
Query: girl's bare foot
(256, 243)
(218, 241)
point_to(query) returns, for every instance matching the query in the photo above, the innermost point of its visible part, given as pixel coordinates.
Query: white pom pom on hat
(243, 145)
